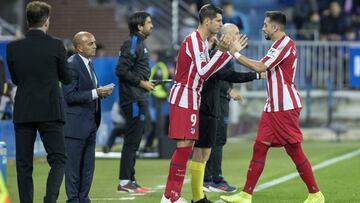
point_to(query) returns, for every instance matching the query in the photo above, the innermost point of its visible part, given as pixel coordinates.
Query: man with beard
(279, 122)
(134, 86)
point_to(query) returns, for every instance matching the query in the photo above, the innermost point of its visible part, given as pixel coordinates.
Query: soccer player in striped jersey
(279, 122)
(194, 66)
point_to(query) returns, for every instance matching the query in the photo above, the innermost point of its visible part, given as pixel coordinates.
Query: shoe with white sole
(166, 200)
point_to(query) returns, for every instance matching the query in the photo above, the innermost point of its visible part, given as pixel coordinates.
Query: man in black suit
(83, 117)
(37, 64)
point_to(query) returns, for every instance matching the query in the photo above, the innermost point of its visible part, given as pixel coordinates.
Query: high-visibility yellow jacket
(159, 90)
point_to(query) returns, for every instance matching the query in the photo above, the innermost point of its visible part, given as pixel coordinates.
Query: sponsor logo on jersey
(273, 53)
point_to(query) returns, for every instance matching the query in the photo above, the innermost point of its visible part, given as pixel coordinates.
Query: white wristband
(237, 55)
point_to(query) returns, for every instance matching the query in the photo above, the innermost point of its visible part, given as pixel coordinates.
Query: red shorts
(280, 128)
(184, 123)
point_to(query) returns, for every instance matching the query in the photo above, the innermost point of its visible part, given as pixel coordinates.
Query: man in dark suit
(37, 64)
(83, 117)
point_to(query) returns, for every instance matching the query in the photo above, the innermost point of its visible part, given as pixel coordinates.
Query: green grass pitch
(339, 182)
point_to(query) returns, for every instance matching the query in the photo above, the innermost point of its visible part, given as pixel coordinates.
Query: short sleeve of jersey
(277, 53)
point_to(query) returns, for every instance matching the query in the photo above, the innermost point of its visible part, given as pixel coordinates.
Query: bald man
(83, 115)
(222, 93)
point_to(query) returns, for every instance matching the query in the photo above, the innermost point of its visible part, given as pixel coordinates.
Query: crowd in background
(334, 20)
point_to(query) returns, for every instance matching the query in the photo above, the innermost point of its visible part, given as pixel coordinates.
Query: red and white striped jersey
(281, 68)
(194, 65)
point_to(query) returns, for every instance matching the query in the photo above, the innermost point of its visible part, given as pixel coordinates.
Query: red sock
(256, 166)
(303, 166)
(177, 173)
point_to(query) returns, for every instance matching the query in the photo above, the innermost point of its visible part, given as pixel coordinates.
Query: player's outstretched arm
(240, 44)
(255, 65)
(217, 61)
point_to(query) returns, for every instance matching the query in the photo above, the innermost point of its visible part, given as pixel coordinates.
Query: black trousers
(213, 170)
(52, 136)
(135, 122)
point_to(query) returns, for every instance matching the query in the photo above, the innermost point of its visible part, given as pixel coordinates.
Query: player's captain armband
(273, 53)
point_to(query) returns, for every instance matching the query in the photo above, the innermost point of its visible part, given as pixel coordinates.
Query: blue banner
(354, 62)
(7, 135)
(3, 55)
(105, 72)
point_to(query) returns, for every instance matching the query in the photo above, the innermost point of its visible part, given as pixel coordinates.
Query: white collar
(85, 60)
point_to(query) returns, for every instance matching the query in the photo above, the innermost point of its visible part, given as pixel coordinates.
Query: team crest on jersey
(202, 57)
(192, 130)
(273, 53)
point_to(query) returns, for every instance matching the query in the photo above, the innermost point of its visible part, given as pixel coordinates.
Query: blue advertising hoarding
(3, 54)
(105, 70)
(354, 63)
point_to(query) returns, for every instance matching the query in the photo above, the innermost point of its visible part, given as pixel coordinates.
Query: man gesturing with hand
(279, 122)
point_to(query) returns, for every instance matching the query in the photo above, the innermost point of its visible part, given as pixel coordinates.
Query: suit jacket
(37, 63)
(80, 107)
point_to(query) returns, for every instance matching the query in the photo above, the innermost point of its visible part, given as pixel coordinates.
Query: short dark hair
(37, 13)
(209, 11)
(276, 16)
(136, 19)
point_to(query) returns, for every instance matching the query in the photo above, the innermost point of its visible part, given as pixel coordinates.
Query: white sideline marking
(315, 168)
(110, 155)
(294, 175)
(112, 199)
(132, 196)
(137, 194)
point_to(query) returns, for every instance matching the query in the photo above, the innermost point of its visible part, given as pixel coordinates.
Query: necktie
(92, 74)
